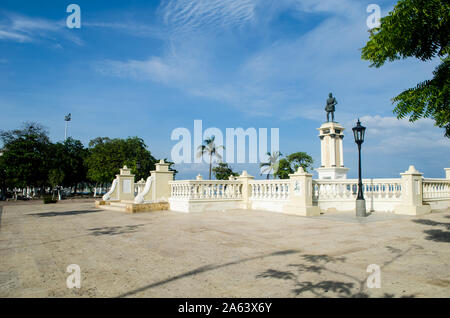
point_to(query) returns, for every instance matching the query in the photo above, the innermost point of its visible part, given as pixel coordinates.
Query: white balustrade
(347, 189)
(436, 189)
(273, 195)
(269, 189)
(206, 190)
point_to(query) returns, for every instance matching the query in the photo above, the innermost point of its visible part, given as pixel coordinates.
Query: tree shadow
(432, 223)
(276, 274)
(114, 230)
(387, 295)
(205, 269)
(435, 235)
(308, 268)
(438, 236)
(342, 289)
(322, 258)
(352, 287)
(66, 213)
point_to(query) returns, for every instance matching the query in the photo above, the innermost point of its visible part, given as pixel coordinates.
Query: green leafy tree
(284, 169)
(69, 157)
(420, 29)
(106, 156)
(26, 156)
(291, 163)
(56, 177)
(223, 171)
(272, 164)
(210, 148)
(4, 182)
(302, 159)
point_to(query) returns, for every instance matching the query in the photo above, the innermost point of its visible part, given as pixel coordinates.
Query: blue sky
(144, 68)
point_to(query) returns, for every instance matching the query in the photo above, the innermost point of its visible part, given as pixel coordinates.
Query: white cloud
(154, 68)
(289, 78)
(388, 135)
(187, 16)
(15, 36)
(20, 28)
(130, 28)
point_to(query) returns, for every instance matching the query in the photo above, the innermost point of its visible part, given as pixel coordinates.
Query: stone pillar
(300, 195)
(161, 178)
(246, 188)
(412, 194)
(447, 173)
(333, 150)
(341, 151)
(332, 155)
(125, 184)
(322, 152)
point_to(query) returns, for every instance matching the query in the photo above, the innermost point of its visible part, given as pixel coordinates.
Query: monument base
(332, 173)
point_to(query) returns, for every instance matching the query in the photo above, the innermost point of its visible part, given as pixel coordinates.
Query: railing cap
(412, 171)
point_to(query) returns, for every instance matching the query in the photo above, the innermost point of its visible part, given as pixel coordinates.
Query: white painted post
(447, 173)
(125, 185)
(246, 188)
(300, 195)
(161, 177)
(412, 194)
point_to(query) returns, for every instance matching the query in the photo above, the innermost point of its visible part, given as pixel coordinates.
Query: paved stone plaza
(238, 253)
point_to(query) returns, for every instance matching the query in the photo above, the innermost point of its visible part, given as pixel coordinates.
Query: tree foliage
(210, 148)
(107, 156)
(30, 159)
(420, 29)
(27, 155)
(272, 164)
(290, 164)
(69, 157)
(223, 171)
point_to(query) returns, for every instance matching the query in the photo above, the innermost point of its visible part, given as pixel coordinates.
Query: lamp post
(138, 166)
(67, 118)
(358, 133)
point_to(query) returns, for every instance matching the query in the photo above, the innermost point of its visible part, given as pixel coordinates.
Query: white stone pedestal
(332, 153)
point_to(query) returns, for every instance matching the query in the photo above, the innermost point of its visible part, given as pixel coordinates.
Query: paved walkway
(220, 254)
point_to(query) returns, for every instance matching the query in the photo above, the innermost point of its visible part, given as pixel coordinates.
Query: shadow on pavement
(436, 235)
(115, 230)
(316, 264)
(205, 269)
(66, 213)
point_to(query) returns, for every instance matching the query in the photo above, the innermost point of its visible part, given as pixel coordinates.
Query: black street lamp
(138, 166)
(358, 133)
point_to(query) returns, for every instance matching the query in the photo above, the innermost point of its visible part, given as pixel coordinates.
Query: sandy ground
(219, 254)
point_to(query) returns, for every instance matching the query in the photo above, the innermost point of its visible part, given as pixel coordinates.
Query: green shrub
(48, 199)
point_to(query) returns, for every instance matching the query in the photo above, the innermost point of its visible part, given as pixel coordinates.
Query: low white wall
(268, 205)
(187, 206)
(371, 205)
(438, 204)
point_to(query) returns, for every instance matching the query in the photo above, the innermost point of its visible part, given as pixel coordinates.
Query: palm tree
(209, 147)
(272, 164)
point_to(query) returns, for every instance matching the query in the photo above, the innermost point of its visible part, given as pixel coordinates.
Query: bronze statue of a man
(330, 108)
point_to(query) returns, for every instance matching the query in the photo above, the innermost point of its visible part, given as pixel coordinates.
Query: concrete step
(113, 208)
